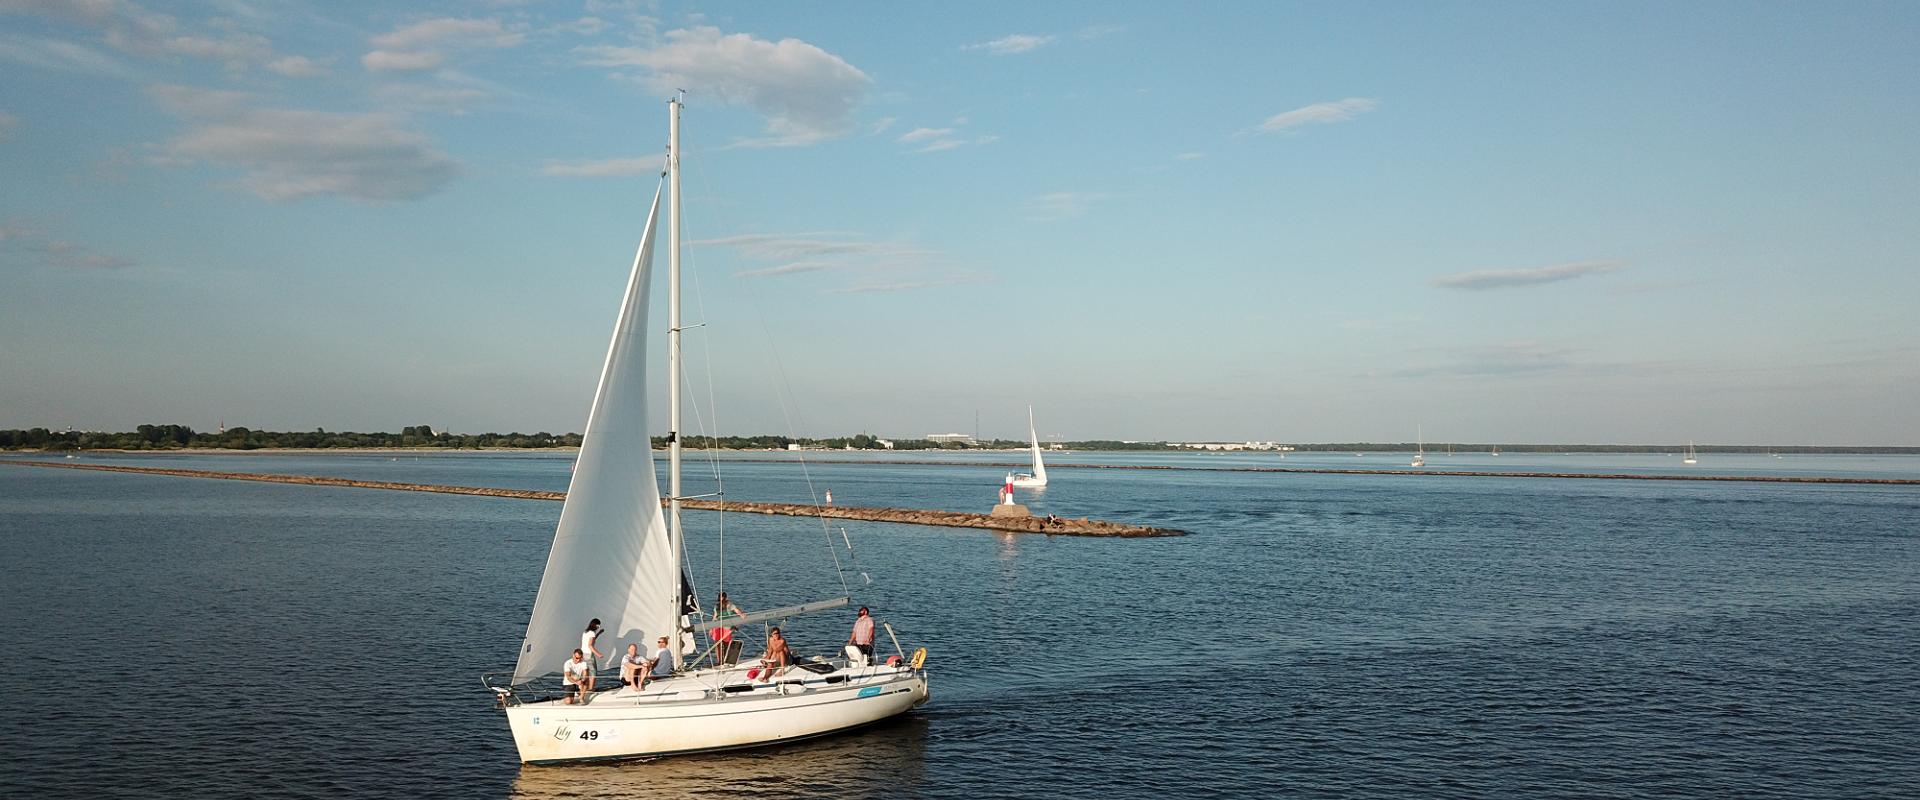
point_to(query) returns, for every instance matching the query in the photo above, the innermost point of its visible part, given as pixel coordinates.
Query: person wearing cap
(862, 636)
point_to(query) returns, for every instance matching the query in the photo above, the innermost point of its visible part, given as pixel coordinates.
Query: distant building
(1234, 446)
(885, 444)
(943, 438)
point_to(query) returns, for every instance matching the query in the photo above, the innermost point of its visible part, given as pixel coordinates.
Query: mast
(673, 344)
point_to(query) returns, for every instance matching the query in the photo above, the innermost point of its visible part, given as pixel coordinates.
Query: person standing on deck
(862, 636)
(726, 651)
(587, 639)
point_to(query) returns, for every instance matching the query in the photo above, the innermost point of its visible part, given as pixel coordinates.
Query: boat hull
(693, 716)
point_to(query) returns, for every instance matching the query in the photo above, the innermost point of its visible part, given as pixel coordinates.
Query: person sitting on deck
(578, 677)
(633, 667)
(661, 665)
(777, 656)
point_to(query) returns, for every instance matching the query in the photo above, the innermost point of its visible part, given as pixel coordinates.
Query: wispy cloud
(787, 269)
(1061, 205)
(449, 32)
(7, 123)
(297, 67)
(390, 61)
(442, 98)
(1532, 276)
(805, 246)
(806, 94)
(20, 242)
(53, 54)
(424, 44)
(905, 286)
(1189, 156)
(606, 167)
(1512, 358)
(131, 28)
(1013, 43)
(286, 154)
(1318, 114)
(923, 134)
(934, 140)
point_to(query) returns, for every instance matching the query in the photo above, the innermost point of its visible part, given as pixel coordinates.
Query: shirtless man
(777, 657)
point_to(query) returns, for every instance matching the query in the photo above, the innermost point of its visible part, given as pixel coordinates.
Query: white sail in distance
(610, 557)
(1039, 466)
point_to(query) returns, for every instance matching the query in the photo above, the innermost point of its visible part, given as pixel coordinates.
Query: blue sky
(1504, 222)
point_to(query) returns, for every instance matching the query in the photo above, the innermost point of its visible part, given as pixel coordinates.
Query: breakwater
(1431, 473)
(948, 519)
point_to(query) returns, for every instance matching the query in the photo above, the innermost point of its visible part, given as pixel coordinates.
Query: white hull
(689, 714)
(1028, 482)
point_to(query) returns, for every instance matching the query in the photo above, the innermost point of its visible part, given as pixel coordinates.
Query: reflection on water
(885, 760)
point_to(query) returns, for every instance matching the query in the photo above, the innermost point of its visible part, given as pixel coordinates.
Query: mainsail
(1039, 466)
(610, 558)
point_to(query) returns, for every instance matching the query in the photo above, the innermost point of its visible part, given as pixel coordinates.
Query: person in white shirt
(633, 667)
(587, 639)
(578, 677)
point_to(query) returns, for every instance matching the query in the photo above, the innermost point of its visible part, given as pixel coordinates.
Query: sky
(1489, 222)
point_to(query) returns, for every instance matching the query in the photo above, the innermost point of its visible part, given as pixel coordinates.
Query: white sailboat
(1037, 479)
(617, 557)
(1691, 457)
(1420, 455)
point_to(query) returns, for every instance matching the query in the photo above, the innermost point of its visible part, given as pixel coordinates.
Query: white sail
(610, 557)
(1039, 466)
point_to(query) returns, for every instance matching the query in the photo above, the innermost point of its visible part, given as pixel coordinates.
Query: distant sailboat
(1420, 454)
(1037, 479)
(1691, 457)
(1496, 451)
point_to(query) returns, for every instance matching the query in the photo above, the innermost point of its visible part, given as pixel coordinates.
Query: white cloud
(428, 97)
(285, 154)
(59, 55)
(34, 247)
(1189, 156)
(881, 125)
(807, 94)
(128, 27)
(809, 246)
(923, 134)
(1318, 114)
(1061, 205)
(787, 269)
(1507, 278)
(385, 61)
(608, 167)
(297, 67)
(1014, 43)
(449, 32)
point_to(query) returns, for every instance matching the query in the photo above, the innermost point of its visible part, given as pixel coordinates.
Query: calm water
(1316, 636)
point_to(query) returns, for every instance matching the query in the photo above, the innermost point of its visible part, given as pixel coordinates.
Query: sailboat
(617, 557)
(1691, 457)
(1420, 455)
(1037, 479)
(1496, 451)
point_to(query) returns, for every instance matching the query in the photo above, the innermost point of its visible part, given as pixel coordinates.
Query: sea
(1314, 635)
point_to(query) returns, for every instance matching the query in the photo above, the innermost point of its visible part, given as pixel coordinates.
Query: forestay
(611, 558)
